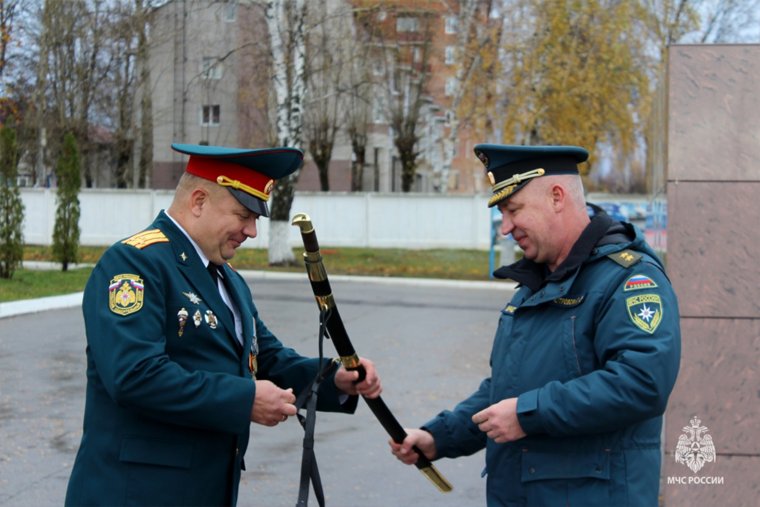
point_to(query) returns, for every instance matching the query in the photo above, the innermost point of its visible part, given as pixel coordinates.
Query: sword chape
(432, 473)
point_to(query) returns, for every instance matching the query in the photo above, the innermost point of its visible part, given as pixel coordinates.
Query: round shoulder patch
(125, 294)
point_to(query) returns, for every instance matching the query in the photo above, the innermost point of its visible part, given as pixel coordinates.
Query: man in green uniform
(179, 362)
(585, 355)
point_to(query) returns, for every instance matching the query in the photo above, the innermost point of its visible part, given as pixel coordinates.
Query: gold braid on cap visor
(504, 189)
(237, 185)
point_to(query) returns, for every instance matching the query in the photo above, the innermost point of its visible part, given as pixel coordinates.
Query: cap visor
(253, 204)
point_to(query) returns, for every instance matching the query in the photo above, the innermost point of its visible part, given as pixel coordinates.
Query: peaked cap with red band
(249, 174)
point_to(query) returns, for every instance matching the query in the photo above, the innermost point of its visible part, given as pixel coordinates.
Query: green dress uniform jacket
(591, 351)
(169, 386)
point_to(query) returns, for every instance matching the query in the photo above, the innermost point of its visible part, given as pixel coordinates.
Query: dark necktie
(213, 270)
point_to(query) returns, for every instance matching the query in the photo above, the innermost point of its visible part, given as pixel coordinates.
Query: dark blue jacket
(168, 401)
(592, 354)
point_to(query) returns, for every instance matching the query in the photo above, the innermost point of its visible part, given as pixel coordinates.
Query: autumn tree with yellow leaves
(580, 72)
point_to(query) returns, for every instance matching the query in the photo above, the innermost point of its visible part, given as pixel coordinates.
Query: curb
(387, 280)
(26, 306)
(12, 308)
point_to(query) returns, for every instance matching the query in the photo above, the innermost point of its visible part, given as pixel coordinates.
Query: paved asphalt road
(429, 340)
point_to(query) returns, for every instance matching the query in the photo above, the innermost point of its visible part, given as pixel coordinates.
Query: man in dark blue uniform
(585, 355)
(179, 361)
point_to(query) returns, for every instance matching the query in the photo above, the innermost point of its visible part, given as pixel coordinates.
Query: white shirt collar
(198, 250)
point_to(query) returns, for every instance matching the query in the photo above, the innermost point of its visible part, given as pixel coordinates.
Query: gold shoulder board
(625, 258)
(146, 238)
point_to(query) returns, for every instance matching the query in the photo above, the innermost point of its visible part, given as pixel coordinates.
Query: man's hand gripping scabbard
(350, 360)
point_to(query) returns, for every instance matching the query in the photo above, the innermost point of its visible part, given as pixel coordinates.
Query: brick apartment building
(211, 83)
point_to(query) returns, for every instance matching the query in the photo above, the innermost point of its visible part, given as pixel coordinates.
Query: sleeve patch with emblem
(645, 311)
(146, 238)
(637, 282)
(125, 294)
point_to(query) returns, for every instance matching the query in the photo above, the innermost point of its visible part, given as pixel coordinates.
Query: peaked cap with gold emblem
(510, 168)
(249, 174)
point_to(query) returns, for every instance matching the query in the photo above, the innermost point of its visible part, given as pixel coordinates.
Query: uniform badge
(146, 238)
(637, 282)
(193, 297)
(253, 364)
(625, 258)
(197, 318)
(645, 311)
(125, 294)
(210, 319)
(181, 320)
(483, 158)
(569, 302)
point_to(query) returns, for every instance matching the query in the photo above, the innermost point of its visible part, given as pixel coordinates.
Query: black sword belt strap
(308, 397)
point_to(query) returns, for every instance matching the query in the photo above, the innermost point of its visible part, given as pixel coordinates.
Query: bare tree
(142, 174)
(286, 29)
(128, 109)
(123, 78)
(9, 12)
(358, 101)
(16, 79)
(403, 37)
(73, 68)
(85, 56)
(468, 58)
(358, 118)
(726, 21)
(324, 90)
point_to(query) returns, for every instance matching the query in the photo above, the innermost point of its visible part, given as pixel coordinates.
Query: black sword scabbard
(348, 357)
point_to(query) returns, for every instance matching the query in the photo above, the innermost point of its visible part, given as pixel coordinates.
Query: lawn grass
(31, 284)
(434, 263)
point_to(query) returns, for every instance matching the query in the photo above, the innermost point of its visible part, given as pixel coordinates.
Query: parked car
(614, 210)
(635, 211)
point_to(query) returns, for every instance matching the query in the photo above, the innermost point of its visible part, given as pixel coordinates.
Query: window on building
(451, 86)
(210, 116)
(211, 68)
(406, 24)
(450, 55)
(230, 11)
(400, 80)
(452, 24)
(417, 55)
(377, 67)
(378, 110)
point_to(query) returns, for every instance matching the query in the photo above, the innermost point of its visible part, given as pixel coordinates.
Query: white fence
(340, 219)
